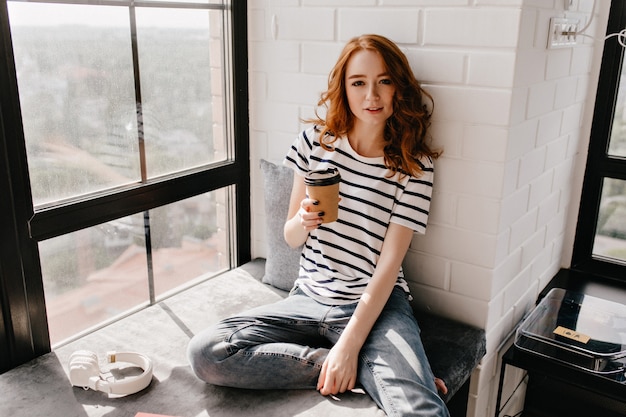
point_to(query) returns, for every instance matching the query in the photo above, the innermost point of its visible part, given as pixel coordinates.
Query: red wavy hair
(406, 130)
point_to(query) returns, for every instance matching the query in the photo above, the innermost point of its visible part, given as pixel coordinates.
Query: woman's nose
(372, 92)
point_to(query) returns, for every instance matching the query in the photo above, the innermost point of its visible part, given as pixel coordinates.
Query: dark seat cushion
(454, 349)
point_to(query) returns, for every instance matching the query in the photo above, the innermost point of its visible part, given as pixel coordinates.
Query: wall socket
(563, 32)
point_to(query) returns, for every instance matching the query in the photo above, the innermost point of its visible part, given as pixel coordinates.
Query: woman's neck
(367, 141)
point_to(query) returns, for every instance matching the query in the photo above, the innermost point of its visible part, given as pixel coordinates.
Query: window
(124, 136)
(600, 246)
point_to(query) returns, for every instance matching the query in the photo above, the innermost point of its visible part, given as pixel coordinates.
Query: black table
(558, 389)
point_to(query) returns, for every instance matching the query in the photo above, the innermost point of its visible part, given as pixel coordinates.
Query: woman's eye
(386, 81)
(358, 83)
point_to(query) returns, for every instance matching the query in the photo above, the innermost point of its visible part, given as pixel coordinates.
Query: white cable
(593, 10)
(621, 37)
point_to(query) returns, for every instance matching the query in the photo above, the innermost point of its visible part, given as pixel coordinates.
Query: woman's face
(369, 88)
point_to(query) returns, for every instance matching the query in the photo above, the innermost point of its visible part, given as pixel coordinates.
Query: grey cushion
(282, 261)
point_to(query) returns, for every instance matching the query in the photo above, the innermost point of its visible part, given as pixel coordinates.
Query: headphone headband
(85, 372)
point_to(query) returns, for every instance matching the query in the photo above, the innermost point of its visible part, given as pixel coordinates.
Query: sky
(47, 14)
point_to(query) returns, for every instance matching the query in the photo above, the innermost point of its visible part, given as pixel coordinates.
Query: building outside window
(135, 164)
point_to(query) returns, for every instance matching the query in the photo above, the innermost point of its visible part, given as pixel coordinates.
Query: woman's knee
(205, 351)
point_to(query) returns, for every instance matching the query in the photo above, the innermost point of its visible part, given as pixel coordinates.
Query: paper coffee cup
(323, 186)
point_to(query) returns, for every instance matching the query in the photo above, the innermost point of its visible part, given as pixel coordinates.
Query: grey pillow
(282, 261)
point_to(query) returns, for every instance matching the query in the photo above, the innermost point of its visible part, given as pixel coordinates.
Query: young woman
(348, 320)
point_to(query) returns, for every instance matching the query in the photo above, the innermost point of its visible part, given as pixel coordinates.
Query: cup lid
(327, 176)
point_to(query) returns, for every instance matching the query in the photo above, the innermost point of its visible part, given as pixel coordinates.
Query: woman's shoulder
(317, 137)
(425, 162)
(425, 172)
(315, 131)
(310, 135)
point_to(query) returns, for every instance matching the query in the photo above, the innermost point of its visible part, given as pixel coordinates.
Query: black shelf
(557, 389)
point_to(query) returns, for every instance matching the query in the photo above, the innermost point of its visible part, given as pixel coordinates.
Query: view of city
(80, 108)
(92, 112)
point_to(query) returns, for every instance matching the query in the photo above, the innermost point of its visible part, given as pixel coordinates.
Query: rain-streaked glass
(180, 71)
(77, 96)
(610, 239)
(87, 123)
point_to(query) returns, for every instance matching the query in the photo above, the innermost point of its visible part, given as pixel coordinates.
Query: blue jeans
(283, 346)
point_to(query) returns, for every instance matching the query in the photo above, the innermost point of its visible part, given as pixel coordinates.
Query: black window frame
(23, 323)
(600, 164)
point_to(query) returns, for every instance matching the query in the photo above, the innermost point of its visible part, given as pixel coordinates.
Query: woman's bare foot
(441, 386)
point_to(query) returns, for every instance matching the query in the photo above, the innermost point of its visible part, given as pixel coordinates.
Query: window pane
(180, 68)
(610, 239)
(189, 240)
(617, 141)
(76, 85)
(93, 275)
(97, 274)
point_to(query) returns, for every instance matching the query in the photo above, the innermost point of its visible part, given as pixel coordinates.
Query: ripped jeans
(283, 346)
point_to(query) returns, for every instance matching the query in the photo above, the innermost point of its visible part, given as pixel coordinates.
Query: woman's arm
(340, 368)
(301, 217)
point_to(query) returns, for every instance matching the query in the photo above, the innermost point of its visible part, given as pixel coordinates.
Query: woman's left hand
(338, 371)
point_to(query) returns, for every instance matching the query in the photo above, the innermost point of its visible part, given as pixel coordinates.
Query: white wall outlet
(563, 32)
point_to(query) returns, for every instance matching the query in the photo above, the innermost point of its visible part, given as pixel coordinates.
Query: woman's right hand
(310, 218)
(302, 216)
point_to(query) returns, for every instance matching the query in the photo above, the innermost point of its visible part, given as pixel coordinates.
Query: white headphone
(85, 372)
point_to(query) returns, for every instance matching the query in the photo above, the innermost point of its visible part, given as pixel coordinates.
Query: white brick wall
(511, 115)
(472, 27)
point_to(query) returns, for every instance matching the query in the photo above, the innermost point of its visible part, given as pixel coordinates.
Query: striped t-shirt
(338, 259)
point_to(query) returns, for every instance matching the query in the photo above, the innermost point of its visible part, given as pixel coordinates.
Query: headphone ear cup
(133, 384)
(84, 368)
(85, 372)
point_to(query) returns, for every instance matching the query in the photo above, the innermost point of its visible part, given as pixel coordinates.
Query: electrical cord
(591, 15)
(621, 37)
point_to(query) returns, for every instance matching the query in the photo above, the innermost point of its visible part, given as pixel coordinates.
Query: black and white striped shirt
(339, 258)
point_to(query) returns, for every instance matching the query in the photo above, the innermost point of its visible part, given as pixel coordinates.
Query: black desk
(557, 389)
